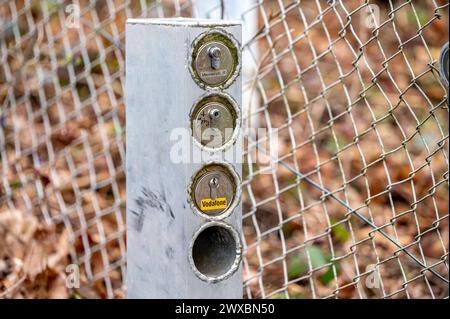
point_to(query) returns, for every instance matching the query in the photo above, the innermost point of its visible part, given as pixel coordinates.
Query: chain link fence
(354, 206)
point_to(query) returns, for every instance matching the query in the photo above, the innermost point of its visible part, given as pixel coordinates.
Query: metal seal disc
(215, 121)
(214, 70)
(215, 59)
(215, 191)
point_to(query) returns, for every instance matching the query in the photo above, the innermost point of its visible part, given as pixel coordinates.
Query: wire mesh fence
(356, 205)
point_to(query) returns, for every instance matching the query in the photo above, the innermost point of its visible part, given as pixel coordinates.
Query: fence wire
(354, 206)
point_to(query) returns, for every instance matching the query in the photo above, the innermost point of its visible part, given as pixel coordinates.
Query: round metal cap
(215, 121)
(214, 191)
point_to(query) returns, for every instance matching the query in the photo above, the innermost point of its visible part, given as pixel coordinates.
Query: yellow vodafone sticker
(213, 204)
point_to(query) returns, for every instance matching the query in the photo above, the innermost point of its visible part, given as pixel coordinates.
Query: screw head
(214, 114)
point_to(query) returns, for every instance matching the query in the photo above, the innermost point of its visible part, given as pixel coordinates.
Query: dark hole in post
(214, 251)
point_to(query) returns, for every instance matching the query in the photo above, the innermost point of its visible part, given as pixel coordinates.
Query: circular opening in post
(215, 252)
(214, 191)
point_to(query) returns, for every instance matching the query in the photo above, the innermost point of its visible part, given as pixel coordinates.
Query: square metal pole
(183, 224)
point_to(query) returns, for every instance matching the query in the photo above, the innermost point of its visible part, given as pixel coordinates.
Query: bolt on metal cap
(214, 52)
(214, 114)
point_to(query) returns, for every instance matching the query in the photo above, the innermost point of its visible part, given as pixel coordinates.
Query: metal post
(183, 211)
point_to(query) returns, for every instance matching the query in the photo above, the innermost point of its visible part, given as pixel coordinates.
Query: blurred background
(352, 88)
